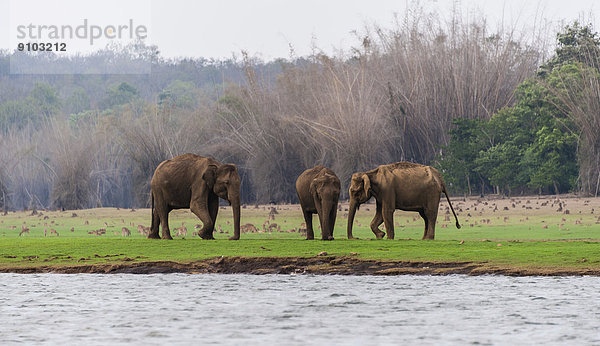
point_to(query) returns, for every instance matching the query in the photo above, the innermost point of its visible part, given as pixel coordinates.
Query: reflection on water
(280, 309)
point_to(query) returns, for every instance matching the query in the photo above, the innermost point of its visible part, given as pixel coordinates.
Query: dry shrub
(156, 135)
(72, 166)
(24, 160)
(393, 99)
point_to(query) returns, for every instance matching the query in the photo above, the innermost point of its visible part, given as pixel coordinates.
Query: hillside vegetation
(489, 108)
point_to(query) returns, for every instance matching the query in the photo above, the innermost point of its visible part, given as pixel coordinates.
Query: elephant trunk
(327, 217)
(235, 206)
(351, 212)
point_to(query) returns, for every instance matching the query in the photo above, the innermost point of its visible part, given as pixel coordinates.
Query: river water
(184, 309)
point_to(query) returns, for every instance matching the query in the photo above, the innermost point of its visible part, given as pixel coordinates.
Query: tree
(17, 114)
(551, 159)
(573, 80)
(179, 94)
(576, 43)
(457, 159)
(528, 145)
(46, 99)
(77, 102)
(118, 95)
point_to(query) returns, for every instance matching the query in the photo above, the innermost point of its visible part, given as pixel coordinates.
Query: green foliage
(179, 94)
(17, 114)
(551, 159)
(528, 145)
(46, 99)
(118, 95)
(576, 43)
(532, 144)
(42, 102)
(77, 102)
(82, 117)
(458, 163)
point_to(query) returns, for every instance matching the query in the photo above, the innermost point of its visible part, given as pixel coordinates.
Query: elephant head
(360, 191)
(224, 181)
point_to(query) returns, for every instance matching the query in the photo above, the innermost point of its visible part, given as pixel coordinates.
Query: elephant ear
(367, 185)
(227, 168)
(210, 175)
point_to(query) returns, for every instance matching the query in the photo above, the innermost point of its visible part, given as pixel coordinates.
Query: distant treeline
(489, 109)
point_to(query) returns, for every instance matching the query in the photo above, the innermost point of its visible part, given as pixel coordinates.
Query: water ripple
(183, 309)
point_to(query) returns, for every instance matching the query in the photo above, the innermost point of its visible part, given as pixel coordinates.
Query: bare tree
(577, 94)
(72, 165)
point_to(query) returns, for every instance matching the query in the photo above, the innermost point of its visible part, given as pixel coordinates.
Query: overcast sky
(264, 28)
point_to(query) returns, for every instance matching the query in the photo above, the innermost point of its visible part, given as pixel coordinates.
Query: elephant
(318, 190)
(195, 182)
(401, 185)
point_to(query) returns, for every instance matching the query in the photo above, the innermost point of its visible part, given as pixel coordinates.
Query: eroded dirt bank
(299, 265)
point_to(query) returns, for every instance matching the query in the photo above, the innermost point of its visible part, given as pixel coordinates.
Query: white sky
(264, 28)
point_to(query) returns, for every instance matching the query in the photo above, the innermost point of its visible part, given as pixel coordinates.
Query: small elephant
(318, 190)
(195, 182)
(401, 185)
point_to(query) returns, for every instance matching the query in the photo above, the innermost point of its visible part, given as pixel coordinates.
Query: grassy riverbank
(525, 235)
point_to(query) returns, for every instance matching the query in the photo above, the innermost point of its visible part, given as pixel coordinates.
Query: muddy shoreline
(321, 265)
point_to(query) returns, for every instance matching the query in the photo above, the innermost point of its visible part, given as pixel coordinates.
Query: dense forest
(495, 112)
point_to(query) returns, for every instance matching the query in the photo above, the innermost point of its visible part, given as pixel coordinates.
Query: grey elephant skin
(401, 185)
(195, 182)
(318, 190)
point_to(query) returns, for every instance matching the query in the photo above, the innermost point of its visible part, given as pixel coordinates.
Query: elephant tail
(445, 191)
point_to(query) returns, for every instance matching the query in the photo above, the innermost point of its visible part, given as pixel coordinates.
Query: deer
(143, 230)
(24, 230)
(181, 231)
(249, 228)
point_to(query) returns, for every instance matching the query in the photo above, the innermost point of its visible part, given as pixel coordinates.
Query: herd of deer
(269, 226)
(25, 229)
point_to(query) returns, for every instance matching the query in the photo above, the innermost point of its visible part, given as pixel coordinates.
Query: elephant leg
(164, 222)
(326, 222)
(430, 216)
(377, 220)
(201, 211)
(322, 217)
(426, 219)
(213, 210)
(332, 217)
(310, 234)
(158, 205)
(388, 219)
(155, 224)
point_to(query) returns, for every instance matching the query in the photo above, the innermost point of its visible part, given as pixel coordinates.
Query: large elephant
(195, 182)
(318, 190)
(401, 185)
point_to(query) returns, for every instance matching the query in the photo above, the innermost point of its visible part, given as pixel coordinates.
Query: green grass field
(522, 232)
